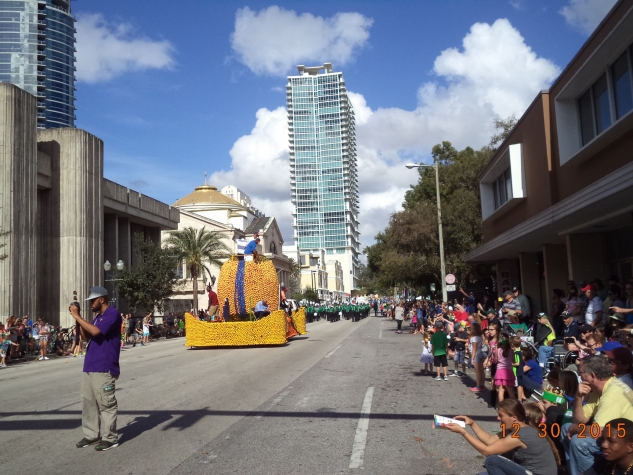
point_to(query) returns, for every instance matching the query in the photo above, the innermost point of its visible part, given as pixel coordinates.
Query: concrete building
(37, 54)
(557, 196)
(323, 168)
(242, 198)
(218, 212)
(335, 275)
(314, 273)
(63, 219)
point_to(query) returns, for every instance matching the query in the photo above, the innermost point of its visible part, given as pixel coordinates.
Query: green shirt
(439, 342)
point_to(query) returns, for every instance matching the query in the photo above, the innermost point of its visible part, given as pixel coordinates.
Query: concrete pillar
(556, 269)
(585, 259)
(530, 280)
(18, 201)
(125, 241)
(77, 176)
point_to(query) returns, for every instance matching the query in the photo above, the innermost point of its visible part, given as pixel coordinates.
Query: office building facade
(556, 197)
(323, 166)
(37, 54)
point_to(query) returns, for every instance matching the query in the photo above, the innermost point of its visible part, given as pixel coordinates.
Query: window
(273, 248)
(594, 106)
(503, 189)
(601, 104)
(622, 87)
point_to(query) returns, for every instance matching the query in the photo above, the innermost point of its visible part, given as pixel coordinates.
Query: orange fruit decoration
(259, 283)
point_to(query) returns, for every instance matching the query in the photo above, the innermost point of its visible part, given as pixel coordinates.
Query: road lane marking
(276, 401)
(380, 334)
(358, 451)
(332, 352)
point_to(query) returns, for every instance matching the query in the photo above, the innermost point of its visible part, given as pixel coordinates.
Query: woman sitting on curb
(516, 450)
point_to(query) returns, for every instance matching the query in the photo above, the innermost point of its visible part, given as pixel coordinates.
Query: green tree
(310, 295)
(197, 249)
(154, 280)
(407, 251)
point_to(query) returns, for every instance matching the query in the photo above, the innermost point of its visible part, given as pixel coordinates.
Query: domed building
(233, 220)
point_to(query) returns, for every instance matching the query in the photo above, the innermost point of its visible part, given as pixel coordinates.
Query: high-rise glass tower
(323, 173)
(37, 53)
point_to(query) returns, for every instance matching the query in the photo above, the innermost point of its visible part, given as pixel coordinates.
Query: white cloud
(275, 40)
(586, 14)
(106, 50)
(494, 75)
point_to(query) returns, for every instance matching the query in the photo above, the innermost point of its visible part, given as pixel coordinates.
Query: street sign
(432, 286)
(451, 288)
(450, 279)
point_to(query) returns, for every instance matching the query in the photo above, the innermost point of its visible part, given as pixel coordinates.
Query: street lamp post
(439, 222)
(107, 267)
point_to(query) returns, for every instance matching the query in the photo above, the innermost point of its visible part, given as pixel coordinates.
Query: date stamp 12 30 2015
(592, 430)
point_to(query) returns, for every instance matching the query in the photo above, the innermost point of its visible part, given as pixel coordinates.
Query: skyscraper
(323, 174)
(37, 54)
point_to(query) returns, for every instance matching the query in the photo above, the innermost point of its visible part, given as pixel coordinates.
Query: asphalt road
(347, 398)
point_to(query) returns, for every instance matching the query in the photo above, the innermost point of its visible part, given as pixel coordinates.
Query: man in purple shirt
(101, 370)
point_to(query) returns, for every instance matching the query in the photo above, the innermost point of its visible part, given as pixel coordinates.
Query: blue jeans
(544, 353)
(498, 465)
(580, 453)
(530, 386)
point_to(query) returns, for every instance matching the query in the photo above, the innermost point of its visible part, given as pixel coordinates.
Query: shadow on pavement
(142, 424)
(182, 419)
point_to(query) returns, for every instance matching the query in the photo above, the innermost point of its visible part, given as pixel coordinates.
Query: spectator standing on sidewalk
(460, 349)
(594, 312)
(44, 332)
(101, 370)
(399, 316)
(439, 347)
(5, 344)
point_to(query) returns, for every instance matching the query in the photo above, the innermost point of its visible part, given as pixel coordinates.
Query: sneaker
(46, 357)
(40, 359)
(438, 378)
(454, 374)
(105, 445)
(85, 442)
(445, 378)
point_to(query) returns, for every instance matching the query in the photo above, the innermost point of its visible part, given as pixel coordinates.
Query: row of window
(608, 99)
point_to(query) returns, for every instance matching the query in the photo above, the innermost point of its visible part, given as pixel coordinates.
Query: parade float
(244, 283)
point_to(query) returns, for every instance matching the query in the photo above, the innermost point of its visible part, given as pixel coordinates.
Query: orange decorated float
(245, 283)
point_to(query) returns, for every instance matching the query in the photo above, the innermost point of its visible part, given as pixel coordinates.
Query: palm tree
(197, 249)
(295, 276)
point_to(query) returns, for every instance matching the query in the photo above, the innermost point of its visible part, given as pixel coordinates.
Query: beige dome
(205, 194)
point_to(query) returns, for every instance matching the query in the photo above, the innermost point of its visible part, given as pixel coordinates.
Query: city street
(346, 398)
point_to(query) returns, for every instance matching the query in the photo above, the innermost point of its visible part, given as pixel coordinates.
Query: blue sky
(179, 88)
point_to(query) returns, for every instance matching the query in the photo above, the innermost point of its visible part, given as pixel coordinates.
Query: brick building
(557, 197)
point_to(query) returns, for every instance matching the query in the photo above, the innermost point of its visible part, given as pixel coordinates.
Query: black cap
(585, 328)
(516, 289)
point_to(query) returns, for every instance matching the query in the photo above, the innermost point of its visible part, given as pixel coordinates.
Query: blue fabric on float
(240, 298)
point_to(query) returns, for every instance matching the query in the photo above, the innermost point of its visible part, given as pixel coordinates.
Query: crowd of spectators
(588, 428)
(21, 339)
